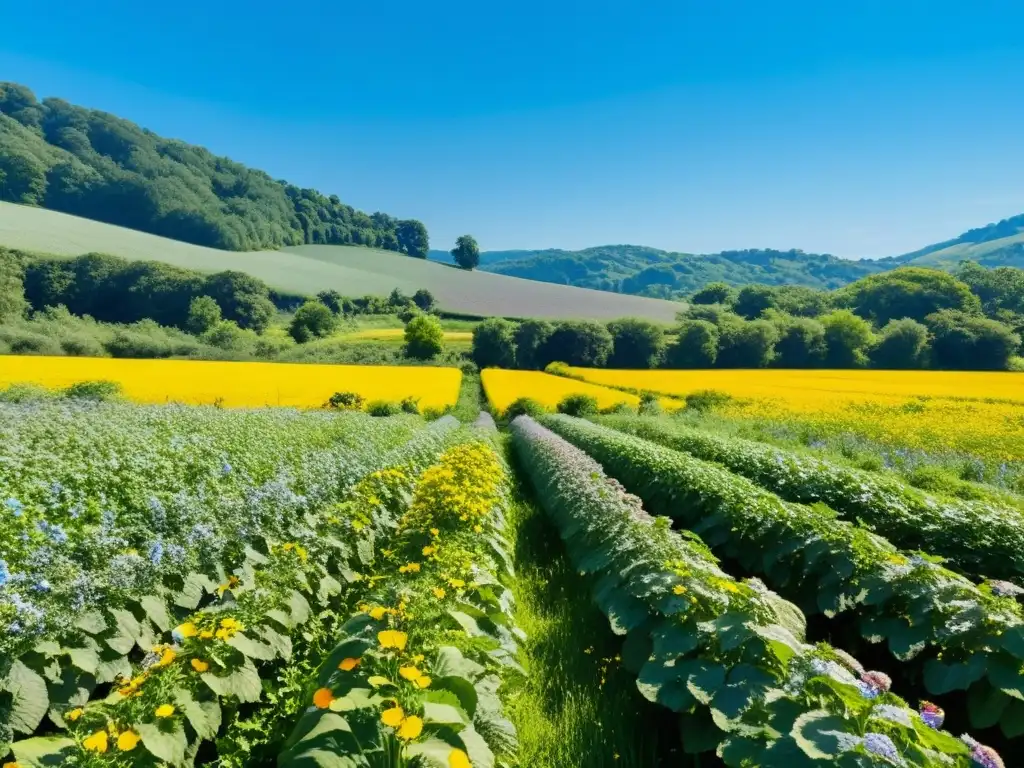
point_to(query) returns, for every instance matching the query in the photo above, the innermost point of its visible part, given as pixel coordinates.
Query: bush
(746, 343)
(424, 337)
(406, 314)
(848, 339)
(423, 299)
(383, 408)
(82, 345)
(558, 368)
(345, 401)
(635, 343)
(24, 393)
(203, 314)
(524, 406)
(801, 342)
(695, 347)
(228, 336)
(494, 344)
(94, 390)
(752, 300)
(530, 336)
(913, 292)
(435, 412)
(650, 404)
(410, 405)
(714, 293)
(24, 342)
(146, 339)
(706, 400)
(619, 409)
(965, 342)
(333, 300)
(313, 320)
(583, 343)
(578, 405)
(901, 344)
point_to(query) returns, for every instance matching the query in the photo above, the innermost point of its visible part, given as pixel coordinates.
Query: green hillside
(353, 271)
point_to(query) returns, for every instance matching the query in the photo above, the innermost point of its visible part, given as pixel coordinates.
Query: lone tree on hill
(466, 252)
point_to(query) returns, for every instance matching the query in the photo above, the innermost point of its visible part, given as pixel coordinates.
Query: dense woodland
(93, 164)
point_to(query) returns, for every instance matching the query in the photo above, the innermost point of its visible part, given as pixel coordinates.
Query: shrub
(203, 314)
(22, 341)
(901, 344)
(619, 409)
(578, 405)
(423, 299)
(333, 300)
(558, 369)
(650, 404)
(848, 339)
(695, 347)
(228, 336)
(94, 390)
(529, 339)
(82, 345)
(410, 405)
(706, 400)
(965, 342)
(383, 408)
(635, 343)
(313, 320)
(146, 339)
(494, 344)
(435, 412)
(746, 343)
(524, 406)
(801, 342)
(423, 337)
(24, 393)
(406, 314)
(583, 343)
(345, 401)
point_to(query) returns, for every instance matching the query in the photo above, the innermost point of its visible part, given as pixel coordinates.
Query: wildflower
(347, 665)
(410, 728)
(882, 745)
(932, 714)
(873, 684)
(458, 759)
(186, 630)
(164, 710)
(322, 698)
(128, 741)
(478, 529)
(15, 506)
(4, 573)
(410, 673)
(393, 717)
(435, 532)
(456, 583)
(156, 552)
(206, 634)
(984, 756)
(428, 551)
(418, 658)
(391, 638)
(97, 742)
(74, 714)
(423, 682)
(199, 665)
(678, 589)
(438, 593)
(409, 568)
(166, 658)
(230, 623)
(378, 613)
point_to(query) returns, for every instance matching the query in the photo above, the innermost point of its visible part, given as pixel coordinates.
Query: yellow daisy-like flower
(410, 673)
(423, 681)
(165, 659)
(392, 638)
(434, 532)
(438, 593)
(458, 759)
(206, 634)
(393, 717)
(428, 551)
(188, 629)
(199, 665)
(74, 714)
(128, 741)
(478, 529)
(410, 728)
(97, 742)
(164, 710)
(378, 613)
(418, 658)
(347, 665)
(230, 623)
(223, 634)
(678, 589)
(323, 698)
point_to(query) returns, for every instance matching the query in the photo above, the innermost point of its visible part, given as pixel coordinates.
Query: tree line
(910, 318)
(92, 164)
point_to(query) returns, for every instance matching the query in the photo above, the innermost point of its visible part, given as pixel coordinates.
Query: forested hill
(665, 274)
(89, 163)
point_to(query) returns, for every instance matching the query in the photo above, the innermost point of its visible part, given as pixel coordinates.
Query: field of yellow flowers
(231, 384)
(505, 387)
(972, 412)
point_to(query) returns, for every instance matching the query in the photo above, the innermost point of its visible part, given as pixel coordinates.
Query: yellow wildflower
(128, 741)
(393, 717)
(458, 759)
(164, 710)
(347, 665)
(230, 623)
(188, 629)
(74, 714)
(97, 742)
(456, 583)
(438, 593)
(411, 727)
(423, 681)
(435, 532)
(678, 589)
(378, 613)
(165, 659)
(429, 550)
(410, 673)
(418, 658)
(391, 638)
(322, 698)
(199, 665)
(206, 634)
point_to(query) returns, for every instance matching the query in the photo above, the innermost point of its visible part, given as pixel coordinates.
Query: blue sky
(861, 128)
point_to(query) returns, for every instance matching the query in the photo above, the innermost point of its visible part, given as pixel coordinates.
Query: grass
(577, 708)
(309, 269)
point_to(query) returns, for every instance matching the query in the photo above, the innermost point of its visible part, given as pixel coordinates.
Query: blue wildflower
(41, 586)
(15, 506)
(225, 468)
(881, 745)
(53, 531)
(4, 573)
(156, 553)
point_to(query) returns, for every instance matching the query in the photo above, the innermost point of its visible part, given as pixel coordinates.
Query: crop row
(728, 655)
(979, 538)
(960, 636)
(415, 674)
(179, 660)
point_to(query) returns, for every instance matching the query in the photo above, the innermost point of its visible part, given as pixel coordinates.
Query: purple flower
(882, 745)
(873, 684)
(932, 714)
(982, 755)
(1004, 588)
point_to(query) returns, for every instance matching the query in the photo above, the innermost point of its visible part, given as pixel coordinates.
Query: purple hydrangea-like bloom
(874, 684)
(881, 745)
(984, 756)
(1004, 588)
(932, 714)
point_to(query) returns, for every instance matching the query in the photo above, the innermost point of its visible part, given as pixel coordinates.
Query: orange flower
(347, 665)
(322, 698)
(199, 665)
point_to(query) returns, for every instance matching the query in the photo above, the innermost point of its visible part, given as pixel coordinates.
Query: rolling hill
(308, 269)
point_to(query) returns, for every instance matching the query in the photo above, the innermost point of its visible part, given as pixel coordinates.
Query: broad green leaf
(91, 622)
(444, 714)
(243, 683)
(126, 631)
(450, 662)
(251, 648)
(164, 741)
(43, 752)
(156, 611)
(203, 716)
(462, 689)
(942, 678)
(818, 733)
(480, 755)
(196, 586)
(85, 658)
(433, 752)
(30, 699)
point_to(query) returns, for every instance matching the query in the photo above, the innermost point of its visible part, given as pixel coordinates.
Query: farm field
(309, 269)
(188, 585)
(238, 384)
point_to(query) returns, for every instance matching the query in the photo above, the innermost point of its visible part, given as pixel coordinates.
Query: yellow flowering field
(978, 412)
(505, 387)
(238, 384)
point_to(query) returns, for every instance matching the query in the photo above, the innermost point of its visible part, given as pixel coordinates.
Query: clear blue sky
(860, 128)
